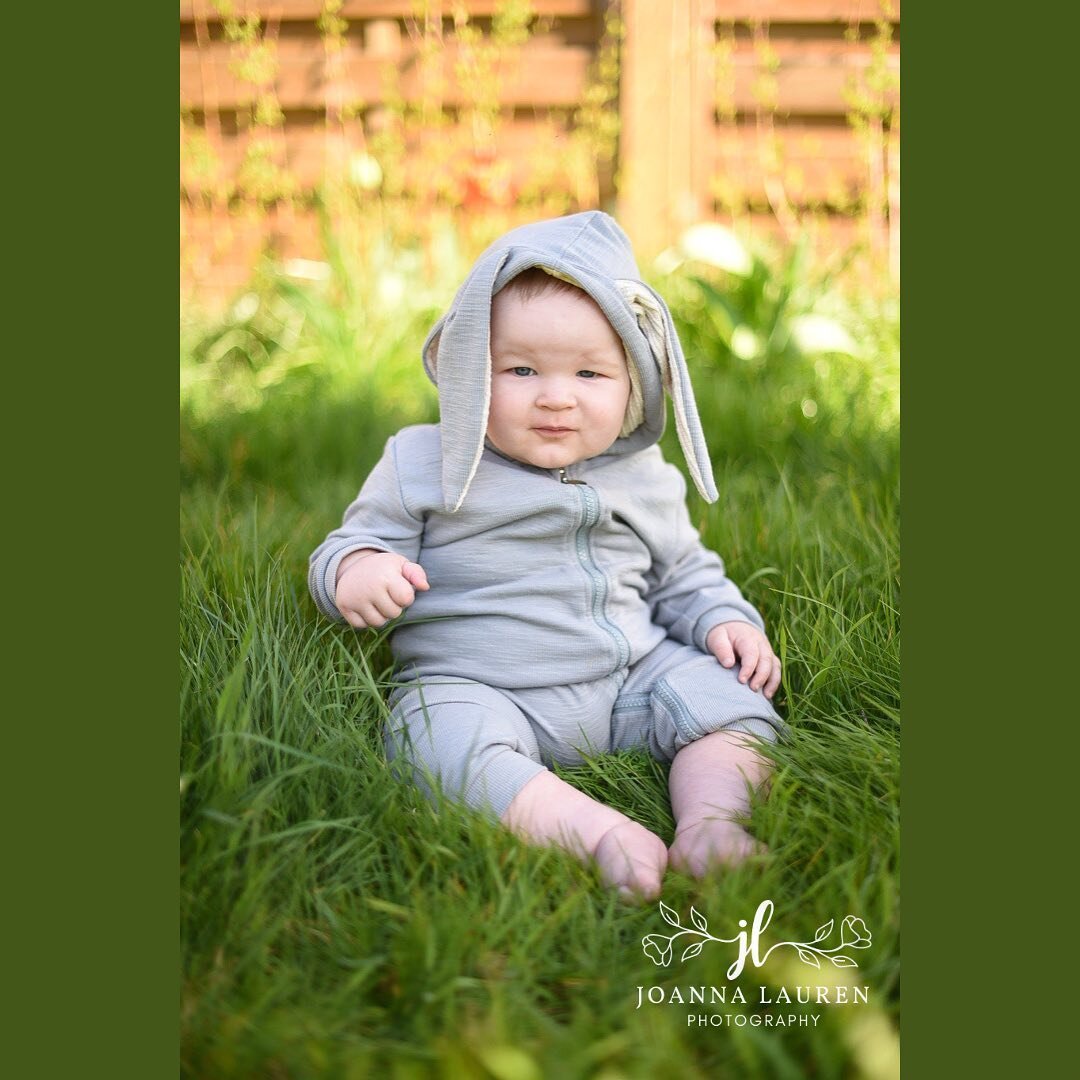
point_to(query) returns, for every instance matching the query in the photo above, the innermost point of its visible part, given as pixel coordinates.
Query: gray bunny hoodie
(543, 577)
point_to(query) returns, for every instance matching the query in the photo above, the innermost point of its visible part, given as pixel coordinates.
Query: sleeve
(689, 591)
(377, 518)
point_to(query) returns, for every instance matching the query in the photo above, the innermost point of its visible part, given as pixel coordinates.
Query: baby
(554, 597)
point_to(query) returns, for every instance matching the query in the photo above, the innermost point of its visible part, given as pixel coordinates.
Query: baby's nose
(555, 395)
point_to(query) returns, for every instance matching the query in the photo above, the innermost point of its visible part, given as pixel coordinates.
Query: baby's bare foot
(632, 859)
(711, 843)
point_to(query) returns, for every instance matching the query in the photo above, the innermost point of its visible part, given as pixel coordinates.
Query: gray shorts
(482, 745)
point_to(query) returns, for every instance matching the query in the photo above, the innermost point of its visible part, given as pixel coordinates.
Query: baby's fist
(374, 587)
(742, 641)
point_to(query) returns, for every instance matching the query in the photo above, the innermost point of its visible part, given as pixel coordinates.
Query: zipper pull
(564, 479)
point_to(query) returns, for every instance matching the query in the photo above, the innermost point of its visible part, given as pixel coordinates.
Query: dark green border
(91, 771)
(985, 409)
(937, 745)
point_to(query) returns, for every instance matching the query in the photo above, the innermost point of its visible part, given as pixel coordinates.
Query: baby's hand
(741, 640)
(374, 587)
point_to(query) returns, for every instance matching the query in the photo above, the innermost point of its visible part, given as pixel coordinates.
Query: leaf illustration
(808, 957)
(693, 950)
(671, 917)
(699, 920)
(843, 961)
(824, 931)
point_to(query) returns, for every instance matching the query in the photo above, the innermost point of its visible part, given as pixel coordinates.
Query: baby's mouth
(553, 430)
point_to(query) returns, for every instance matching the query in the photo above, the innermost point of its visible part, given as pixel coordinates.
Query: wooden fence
(776, 112)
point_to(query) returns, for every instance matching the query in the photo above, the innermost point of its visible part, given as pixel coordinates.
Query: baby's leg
(687, 708)
(711, 783)
(465, 739)
(549, 810)
(477, 746)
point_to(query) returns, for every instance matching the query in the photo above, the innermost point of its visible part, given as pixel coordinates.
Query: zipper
(589, 518)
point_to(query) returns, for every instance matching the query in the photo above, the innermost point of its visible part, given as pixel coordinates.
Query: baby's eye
(589, 374)
(522, 371)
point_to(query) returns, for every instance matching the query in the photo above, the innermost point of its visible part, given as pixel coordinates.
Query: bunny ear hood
(591, 251)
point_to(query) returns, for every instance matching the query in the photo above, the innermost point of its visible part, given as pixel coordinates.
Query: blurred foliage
(314, 374)
(796, 324)
(820, 345)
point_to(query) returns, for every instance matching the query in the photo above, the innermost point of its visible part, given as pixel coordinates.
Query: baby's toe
(633, 860)
(712, 846)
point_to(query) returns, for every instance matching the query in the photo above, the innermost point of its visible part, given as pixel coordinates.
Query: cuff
(496, 788)
(769, 731)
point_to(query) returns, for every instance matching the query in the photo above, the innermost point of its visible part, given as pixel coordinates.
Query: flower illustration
(853, 932)
(657, 949)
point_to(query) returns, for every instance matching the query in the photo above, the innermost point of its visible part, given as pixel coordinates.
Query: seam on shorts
(680, 715)
(632, 701)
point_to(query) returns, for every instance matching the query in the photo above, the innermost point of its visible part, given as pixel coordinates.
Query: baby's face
(559, 384)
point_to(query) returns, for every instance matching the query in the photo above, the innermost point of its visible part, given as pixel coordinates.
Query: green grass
(335, 924)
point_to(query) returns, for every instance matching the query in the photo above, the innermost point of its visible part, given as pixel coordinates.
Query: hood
(592, 251)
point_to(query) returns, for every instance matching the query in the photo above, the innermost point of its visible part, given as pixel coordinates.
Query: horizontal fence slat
(776, 11)
(815, 164)
(519, 150)
(220, 249)
(531, 76)
(310, 10)
(809, 79)
(806, 11)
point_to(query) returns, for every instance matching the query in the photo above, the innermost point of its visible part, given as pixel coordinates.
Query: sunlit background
(364, 151)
